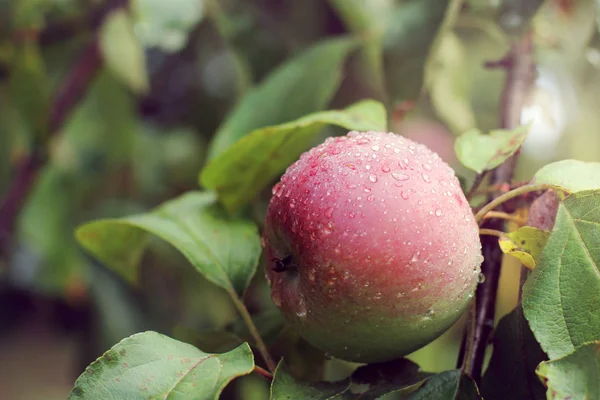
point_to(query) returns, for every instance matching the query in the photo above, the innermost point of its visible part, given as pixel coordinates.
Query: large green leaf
(301, 86)
(573, 175)
(410, 37)
(448, 84)
(561, 297)
(225, 250)
(480, 152)
(449, 385)
(510, 374)
(122, 51)
(369, 382)
(575, 376)
(153, 366)
(245, 168)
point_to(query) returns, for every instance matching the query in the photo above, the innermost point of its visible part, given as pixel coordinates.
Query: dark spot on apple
(281, 265)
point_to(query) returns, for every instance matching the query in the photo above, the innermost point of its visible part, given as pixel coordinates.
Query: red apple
(372, 249)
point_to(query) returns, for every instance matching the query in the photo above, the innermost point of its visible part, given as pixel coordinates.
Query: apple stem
(260, 344)
(511, 195)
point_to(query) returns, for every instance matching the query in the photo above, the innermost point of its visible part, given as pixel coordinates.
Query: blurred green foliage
(177, 82)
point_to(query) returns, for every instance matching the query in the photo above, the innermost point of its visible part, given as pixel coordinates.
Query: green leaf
(167, 24)
(245, 168)
(526, 244)
(560, 297)
(448, 385)
(448, 84)
(225, 250)
(303, 85)
(573, 175)
(411, 35)
(510, 374)
(122, 51)
(368, 382)
(575, 376)
(149, 365)
(480, 152)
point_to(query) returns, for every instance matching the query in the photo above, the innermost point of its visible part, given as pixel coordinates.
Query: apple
(372, 250)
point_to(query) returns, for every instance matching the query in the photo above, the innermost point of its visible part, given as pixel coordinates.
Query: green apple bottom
(372, 248)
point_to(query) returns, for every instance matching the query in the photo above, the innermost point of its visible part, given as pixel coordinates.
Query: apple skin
(372, 250)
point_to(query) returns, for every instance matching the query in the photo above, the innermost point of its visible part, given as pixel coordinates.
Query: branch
(72, 90)
(519, 79)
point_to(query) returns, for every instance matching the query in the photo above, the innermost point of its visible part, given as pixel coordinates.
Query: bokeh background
(157, 78)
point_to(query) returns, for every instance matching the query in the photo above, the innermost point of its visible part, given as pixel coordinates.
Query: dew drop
(370, 198)
(385, 168)
(480, 278)
(368, 167)
(351, 186)
(399, 176)
(415, 257)
(351, 215)
(404, 195)
(276, 191)
(373, 178)
(367, 190)
(427, 167)
(438, 212)
(375, 148)
(301, 308)
(426, 178)
(329, 212)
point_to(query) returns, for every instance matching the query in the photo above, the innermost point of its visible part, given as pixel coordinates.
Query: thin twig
(492, 232)
(505, 216)
(266, 374)
(72, 90)
(519, 79)
(260, 344)
(498, 201)
(476, 183)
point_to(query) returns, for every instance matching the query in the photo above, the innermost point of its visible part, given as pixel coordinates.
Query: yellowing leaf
(526, 244)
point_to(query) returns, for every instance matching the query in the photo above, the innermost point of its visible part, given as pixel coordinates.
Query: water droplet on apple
(404, 195)
(426, 178)
(329, 212)
(427, 167)
(276, 191)
(373, 178)
(400, 176)
(375, 148)
(438, 212)
(415, 257)
(480, 278)
(385, 168)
